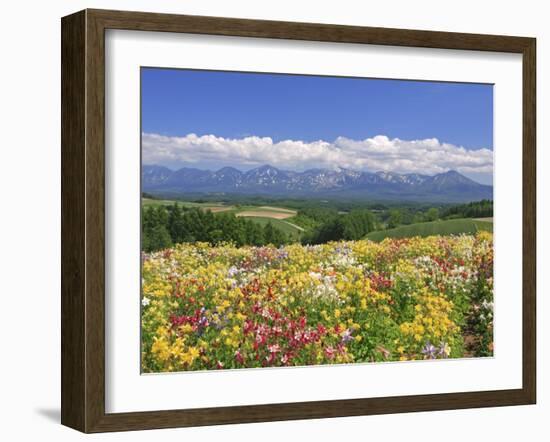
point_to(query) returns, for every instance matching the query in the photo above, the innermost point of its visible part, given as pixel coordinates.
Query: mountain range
(267, 180)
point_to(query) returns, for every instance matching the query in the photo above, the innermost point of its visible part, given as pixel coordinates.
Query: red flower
(239, 357)
(330, 352)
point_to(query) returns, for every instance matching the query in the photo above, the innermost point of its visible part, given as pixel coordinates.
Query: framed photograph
(267, 220)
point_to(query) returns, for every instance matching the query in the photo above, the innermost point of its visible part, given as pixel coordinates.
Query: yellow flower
(161, 348)
(240, 317)
(186, 328)
(190, 355)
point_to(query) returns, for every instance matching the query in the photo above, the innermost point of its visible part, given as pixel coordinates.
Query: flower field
(225, 307)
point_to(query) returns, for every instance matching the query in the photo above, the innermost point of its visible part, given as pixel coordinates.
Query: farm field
(278, 209)
(441, 227)
(222, 307)
(216, 207)
(265, 214)
(259, 214)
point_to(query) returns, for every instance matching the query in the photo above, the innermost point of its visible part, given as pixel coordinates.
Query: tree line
(395, 217)
(329, 225)
(163, 226)
(475, 209)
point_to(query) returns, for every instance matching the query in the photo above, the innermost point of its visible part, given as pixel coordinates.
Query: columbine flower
(429, 350)
(239, 357)
(283, 254)
(203, 322)
(145, 302)
(232, 271)
(346, 336)
(487, 305)
(329, 352)
(444, 350)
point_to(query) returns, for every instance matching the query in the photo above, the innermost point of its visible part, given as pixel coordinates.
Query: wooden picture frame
(83, 220)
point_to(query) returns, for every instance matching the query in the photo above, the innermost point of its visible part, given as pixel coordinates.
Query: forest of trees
(163, 226)
(329, 225)
(476, 209)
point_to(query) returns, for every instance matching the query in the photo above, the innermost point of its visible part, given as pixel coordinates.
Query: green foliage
(354, 225)
(475, 209)
(418, 218)
(432, 214)
(311, 218)
(273, 236)
(395, 219)
(163, 226)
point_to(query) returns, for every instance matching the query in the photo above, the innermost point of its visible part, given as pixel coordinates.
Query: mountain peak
(336, 182)
(267, 167)
(454, 175)
(451, 172)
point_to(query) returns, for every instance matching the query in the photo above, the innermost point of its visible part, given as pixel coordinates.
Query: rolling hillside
(447, 227)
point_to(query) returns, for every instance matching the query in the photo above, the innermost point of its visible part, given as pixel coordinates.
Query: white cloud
(428, 156)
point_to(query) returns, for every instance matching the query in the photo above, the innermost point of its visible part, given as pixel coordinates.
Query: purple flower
(283, 254)
(346, 336)
(343, 250)
(232, 271)
(429, 350)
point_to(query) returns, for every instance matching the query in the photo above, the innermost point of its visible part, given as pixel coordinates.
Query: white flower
(487, 305)
(315, 275)
(145, 302)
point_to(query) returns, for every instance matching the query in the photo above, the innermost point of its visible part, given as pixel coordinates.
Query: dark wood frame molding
(83, 216)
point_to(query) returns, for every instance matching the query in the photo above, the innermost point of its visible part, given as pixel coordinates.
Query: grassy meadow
(440, 227)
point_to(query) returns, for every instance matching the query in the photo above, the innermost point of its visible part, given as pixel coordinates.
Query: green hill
(447, 227)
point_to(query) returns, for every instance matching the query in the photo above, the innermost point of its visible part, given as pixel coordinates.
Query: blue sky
(254, 109)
